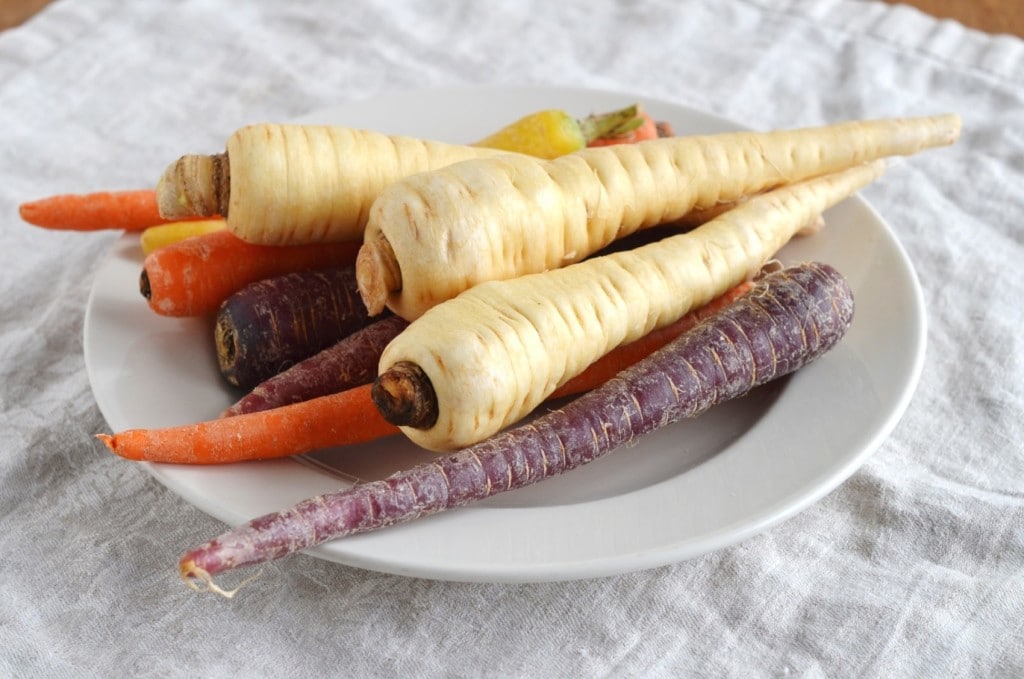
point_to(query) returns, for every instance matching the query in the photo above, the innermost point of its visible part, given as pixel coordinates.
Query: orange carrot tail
(345, 418)
(132, 210)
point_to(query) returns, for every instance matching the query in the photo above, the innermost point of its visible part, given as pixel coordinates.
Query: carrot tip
(199, 580)
(110, 441)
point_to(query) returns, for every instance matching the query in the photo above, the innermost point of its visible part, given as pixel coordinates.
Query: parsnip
(298, 184)
(432, 235)
(479, 362)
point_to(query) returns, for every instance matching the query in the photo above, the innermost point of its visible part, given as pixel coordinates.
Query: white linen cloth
(912, 568)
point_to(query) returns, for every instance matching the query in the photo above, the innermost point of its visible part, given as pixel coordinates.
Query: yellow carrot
(434, 234)
(162, 235)
(480, 362)
(553, 132)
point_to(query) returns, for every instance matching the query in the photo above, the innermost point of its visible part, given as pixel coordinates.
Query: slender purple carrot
(342, 366)
(788, 319)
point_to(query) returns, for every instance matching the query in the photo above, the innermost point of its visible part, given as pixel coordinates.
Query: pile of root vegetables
(366, 285)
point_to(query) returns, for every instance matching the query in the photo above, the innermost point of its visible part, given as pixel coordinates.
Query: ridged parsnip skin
(496, 351)
(503, 217)
(297, 184)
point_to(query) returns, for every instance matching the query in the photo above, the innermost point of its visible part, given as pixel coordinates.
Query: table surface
(993, 16)
(912, 567)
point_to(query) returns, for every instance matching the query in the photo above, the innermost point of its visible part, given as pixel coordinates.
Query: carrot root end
(199, 579)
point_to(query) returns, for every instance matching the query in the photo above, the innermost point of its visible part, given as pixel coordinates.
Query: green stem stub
(613, 124)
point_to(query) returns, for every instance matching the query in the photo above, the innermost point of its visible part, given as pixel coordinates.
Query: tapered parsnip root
(499, 349)
(435, 234)
(293, 184)
(787, 320)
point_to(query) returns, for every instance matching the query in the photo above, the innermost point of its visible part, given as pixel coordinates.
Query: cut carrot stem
(344, 418)
(133, 210)
(646, 129)
(193, 277)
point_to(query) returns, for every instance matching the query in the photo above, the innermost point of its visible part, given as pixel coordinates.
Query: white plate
(691, 488)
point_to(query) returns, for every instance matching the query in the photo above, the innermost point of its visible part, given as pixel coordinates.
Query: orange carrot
(132, 210)
(192, 277)
(344, 418)
(648, 130)
(347, 417)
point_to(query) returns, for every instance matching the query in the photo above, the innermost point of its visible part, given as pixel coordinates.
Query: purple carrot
(788, 319)
(344, 365)
(271, 324)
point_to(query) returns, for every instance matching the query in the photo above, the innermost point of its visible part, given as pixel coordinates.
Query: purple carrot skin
(344, 365)
(788, 319)
(271, 324)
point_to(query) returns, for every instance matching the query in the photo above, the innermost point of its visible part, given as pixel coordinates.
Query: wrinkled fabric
(914, 567)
